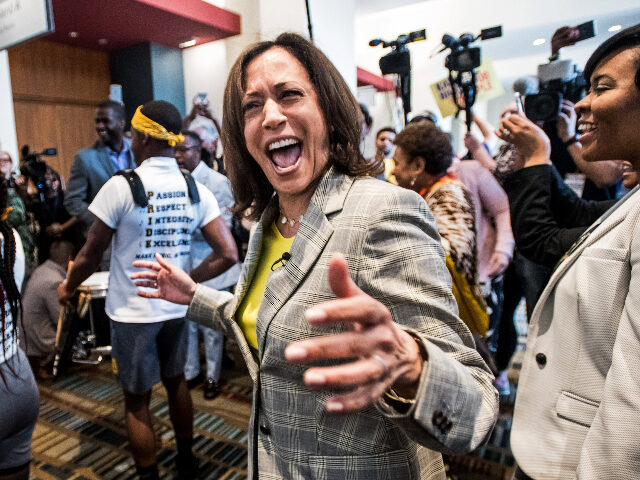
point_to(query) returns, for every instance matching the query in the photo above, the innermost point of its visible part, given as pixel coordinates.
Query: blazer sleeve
(403, 266)
(547, 217)
(210, 308)
(77, 194)
(609, 449)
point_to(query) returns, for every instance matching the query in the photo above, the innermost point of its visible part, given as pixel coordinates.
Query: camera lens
(543, 106)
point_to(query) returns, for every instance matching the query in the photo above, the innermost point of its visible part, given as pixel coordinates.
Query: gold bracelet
(391, 394)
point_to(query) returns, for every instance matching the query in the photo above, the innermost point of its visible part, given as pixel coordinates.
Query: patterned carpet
(81, 432)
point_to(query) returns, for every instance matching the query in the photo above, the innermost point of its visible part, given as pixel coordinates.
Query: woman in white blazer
(577, 412)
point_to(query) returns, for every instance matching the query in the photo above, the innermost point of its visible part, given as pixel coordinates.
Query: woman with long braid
(18, 390)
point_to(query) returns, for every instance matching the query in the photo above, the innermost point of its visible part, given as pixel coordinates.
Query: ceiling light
(189, 43)
(74, 34)
(538, 41)
(102, 41)
(615, 28)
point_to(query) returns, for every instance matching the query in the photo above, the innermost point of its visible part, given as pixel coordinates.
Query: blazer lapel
(609, 223)
(251, 260)
(314, 232)
(105, 160)
(244, 281)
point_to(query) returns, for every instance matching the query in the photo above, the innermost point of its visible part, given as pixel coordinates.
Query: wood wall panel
(55, 90)
(65, 127)
(52, 70)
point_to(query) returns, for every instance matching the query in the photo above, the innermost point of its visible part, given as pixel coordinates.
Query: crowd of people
(373, 303)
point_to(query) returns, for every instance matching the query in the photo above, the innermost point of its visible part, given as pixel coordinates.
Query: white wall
(8, 139)
(205, 70)
(333, 32)
(206, 66)
(277, 16)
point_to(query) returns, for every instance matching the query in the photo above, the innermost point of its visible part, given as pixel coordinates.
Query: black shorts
(144, 353)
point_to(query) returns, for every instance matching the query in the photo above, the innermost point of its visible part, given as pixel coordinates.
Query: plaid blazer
(392, 248)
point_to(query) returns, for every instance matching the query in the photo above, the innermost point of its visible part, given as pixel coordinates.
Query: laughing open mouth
(285, 153)
(585, 127)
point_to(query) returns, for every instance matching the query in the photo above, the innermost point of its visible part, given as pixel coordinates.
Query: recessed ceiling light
(188, 43)
(102, 41)
(538, 41)
(74, 34)
(615, 28)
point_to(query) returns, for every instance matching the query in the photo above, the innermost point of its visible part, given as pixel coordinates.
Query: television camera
(559, 79)
(34, 168)
(398, 61)
(461, 63)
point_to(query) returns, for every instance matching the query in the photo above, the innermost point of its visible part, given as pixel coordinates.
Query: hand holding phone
(200, 99)
(567, 36)
(586, 30)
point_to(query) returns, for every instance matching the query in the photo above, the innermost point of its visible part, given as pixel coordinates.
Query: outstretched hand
(165, 280)
(386, 356)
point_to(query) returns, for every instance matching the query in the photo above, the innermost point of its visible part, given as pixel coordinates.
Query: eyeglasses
(186, 149)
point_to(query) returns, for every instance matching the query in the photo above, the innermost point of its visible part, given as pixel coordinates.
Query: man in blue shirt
(94, 165)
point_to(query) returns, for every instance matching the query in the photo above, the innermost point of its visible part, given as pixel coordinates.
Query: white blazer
(577, 412)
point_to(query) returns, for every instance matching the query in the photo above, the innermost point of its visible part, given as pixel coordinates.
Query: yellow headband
(144, 124)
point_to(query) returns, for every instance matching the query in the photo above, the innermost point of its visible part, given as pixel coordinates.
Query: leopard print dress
(452, 207)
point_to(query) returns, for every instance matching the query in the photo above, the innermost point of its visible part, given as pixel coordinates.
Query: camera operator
(44, 200)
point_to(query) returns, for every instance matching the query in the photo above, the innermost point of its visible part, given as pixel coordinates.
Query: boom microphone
(526, 85)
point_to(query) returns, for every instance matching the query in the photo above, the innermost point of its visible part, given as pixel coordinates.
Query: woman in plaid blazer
(343, 272)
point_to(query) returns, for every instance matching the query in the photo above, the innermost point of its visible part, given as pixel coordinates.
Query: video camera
(558, 80)
(399, 62)
(462, 62)
(33, 167)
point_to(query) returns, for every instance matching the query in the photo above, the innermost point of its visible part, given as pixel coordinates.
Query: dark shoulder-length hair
(339, 108)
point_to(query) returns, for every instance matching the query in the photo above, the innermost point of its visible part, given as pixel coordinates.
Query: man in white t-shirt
(156, 212)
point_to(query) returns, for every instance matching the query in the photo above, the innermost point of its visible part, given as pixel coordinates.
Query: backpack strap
(136, 186)
(194, 196)
(139, 194)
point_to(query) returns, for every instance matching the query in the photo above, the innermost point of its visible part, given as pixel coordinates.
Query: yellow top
(273, 246)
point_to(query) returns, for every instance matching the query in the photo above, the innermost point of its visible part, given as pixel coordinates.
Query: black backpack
(140, 196)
